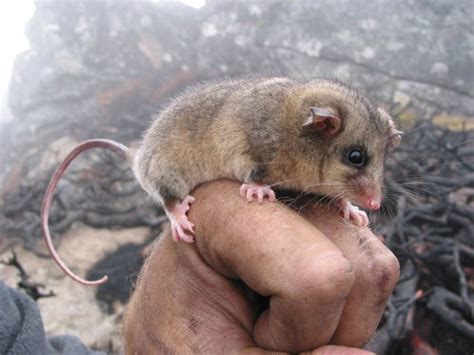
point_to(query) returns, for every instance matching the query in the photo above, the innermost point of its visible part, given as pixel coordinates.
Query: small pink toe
(178, 232)
(174, 233)
(188, 200)
(356, 219)
(258, 192)
(271, 196)
(180, 222)
(352, 213)
(249, 195)
(362, 220)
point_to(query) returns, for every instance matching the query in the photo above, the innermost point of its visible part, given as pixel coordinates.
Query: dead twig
(33, 289)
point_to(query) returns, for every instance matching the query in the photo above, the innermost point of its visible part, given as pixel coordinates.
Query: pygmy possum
(316, 136)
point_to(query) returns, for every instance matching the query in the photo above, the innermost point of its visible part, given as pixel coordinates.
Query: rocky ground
(75, 309)
(102, 68)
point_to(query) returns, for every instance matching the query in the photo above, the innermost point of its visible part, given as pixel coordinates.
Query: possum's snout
(371, 202)
(368, 192)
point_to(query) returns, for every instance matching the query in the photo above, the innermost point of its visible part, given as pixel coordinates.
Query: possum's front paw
(180, 222)
(353, 213)
(259, 192)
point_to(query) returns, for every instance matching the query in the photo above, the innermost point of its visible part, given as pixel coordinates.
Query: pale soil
(75, 310)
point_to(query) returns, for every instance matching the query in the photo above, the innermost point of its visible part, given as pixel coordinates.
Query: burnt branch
(428, 222)
(32, 289)
(452, 309)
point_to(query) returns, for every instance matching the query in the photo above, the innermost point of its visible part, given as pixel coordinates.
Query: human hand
(327, 284)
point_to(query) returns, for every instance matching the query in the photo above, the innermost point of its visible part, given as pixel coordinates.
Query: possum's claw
(180, 222)
(352, 213)
(252, 191)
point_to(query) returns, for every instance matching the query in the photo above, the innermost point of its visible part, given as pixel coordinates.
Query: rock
(454, 122)
(379, 46)
(102, 68)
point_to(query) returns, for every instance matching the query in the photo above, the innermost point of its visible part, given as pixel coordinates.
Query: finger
(279, 254)
(182, 306)
(376, 273)
(187, 238)
(338, 350)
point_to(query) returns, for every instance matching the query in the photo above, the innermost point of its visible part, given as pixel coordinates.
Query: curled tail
(117, 148)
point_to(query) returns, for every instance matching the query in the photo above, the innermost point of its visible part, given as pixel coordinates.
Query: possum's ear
(324, 120)
(394, 138)
(394, 135)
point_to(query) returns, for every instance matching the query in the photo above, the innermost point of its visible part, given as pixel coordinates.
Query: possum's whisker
(397, 192)
(415, 185)
(428, 154)
(452, 163)
(448, 145)
(308, 186)
(408, 193)
(405, 133)
(335, 198)
(412, 188)
(417, 177)
(303, 191)
(388, 207)
(393, 206)
(281, 182)
(317, 199)
(418, 183)
(325, 184)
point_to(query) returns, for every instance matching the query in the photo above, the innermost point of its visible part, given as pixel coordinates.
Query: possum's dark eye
(355, 157)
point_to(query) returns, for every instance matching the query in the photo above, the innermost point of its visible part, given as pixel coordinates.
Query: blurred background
(74, 70)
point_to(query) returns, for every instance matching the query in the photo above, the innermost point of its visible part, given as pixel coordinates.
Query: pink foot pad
(352, 213)
(252, 191)
(180, 222)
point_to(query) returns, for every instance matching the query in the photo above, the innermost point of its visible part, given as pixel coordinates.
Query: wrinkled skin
(328, 282)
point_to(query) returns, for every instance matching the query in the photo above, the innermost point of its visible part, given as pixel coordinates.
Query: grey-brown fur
(247, 128)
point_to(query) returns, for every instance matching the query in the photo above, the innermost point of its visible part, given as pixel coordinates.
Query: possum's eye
(355, 157)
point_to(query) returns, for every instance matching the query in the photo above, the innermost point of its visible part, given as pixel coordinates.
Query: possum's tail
(117, 148)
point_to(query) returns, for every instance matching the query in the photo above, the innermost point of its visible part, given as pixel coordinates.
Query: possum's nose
(369, 194)
(372, 202)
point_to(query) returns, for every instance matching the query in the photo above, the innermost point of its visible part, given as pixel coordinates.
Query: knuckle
(325, 279)
(383, 272)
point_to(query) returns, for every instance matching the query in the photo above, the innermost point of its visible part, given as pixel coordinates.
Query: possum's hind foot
(352, 213)
(253, 191)
(180, 222)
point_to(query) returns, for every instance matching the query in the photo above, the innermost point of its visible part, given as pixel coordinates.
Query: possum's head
(346, 138)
